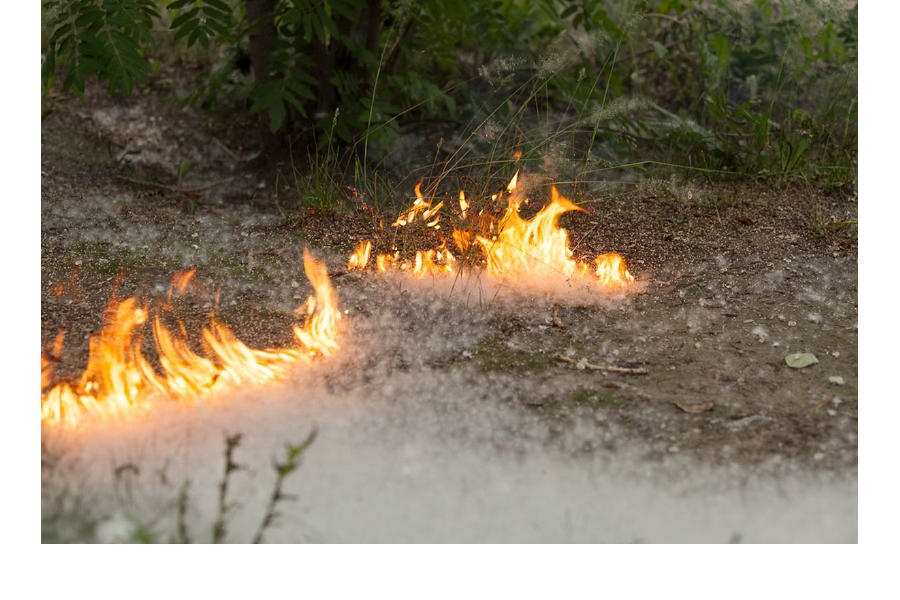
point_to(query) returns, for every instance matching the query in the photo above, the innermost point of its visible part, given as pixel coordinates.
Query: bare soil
(736, 276)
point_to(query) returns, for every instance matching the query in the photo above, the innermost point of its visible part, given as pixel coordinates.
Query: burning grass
(508, 248)
(119, 380)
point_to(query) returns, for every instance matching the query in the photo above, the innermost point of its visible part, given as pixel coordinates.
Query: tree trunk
(262, 36)
(262, 43)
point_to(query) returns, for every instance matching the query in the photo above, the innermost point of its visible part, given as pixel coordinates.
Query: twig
(234, 155)
(581, 363)
(174, 188)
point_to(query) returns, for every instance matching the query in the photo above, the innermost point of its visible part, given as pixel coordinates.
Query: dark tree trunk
(262, 43)
(262, 36)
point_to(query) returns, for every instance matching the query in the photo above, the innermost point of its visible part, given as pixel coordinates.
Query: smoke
(420, 441)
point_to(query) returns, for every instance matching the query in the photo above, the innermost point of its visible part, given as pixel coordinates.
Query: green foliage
(762, 88)
(107, 38)
(767, 89)
(289, 85)
(201, 21)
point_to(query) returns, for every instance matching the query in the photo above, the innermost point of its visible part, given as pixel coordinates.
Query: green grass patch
(598, 397)
(105, 260)
(496, 355)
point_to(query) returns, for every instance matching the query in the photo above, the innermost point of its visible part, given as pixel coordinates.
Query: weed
(69, 518)
(219, 531)
(293, 454)
(823, 225)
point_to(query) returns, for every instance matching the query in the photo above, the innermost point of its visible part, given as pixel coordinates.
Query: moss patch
(101, 258)
(496, 355)
(601, 397)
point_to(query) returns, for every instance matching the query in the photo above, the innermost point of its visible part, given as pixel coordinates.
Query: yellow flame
(511, 247)
(536, 246)
(360, 257)
(463, 205)
(118, 380)
(319, 331)
(611, 269)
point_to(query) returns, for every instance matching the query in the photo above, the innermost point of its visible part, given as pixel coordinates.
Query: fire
(118, 379)
(509, 246)
(360, 257)
(536, 246)
(180, 281)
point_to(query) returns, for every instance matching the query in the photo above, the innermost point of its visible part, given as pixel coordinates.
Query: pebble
(836, 379)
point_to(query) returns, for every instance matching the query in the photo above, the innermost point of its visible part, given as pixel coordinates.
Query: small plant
(291, 462)
(231, 443)
(293, 454)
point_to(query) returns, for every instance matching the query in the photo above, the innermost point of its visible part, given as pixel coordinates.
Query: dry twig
(581, 363)
(174, 188)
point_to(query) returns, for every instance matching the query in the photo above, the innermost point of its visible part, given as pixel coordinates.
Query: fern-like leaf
(106, 38)
(201, 21)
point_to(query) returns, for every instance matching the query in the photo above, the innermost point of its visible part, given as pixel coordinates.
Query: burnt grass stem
(293, 454)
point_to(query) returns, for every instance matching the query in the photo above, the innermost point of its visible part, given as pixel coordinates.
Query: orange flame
(536, 246)
(118, 380)
(360, 257)
(510, 246)
(180, 281)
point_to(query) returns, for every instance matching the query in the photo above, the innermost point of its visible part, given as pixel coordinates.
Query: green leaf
(660, 50)
(799, 360)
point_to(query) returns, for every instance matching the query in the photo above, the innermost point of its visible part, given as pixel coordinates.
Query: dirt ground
(735, 277)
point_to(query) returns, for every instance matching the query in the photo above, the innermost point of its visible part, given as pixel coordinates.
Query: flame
(118, 379)
(422, 207)
(509, 246)
(319, 331)
(611, 270)
(360, 257)
(536, 246)
(180, 281)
